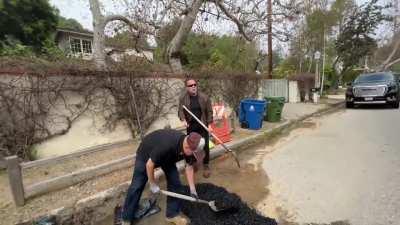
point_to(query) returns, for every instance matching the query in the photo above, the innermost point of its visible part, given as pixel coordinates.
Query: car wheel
(349, 105)
(395, 105)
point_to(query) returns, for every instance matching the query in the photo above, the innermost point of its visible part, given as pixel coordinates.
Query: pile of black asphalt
(237, 212)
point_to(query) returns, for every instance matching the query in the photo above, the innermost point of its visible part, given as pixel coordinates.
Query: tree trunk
(174, 48)
(99, 24)
(310, 66)
(99, 55)
(388, 62)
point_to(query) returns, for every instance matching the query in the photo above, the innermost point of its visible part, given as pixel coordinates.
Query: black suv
(374, 88)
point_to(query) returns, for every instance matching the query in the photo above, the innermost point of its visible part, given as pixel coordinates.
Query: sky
(76, 9)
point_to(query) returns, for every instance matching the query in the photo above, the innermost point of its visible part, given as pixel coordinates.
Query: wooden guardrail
(3, 164)
(20, 192)
(57, 159)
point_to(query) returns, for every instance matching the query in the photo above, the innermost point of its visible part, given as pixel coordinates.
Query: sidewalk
(96, 198)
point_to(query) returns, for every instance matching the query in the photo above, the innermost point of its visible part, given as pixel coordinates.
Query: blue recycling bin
(251, 113)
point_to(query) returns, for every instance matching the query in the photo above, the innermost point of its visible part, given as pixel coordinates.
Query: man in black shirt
(163, 148)
(200, 105)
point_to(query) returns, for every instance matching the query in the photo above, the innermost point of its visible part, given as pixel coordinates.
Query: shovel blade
(213, 206)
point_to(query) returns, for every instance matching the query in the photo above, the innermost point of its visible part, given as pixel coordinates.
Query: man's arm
(150, 171)
(181, 113)
(209, 111)
(154, 188)
(189, 171)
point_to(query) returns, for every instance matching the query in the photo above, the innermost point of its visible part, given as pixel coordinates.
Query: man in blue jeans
(163, 148)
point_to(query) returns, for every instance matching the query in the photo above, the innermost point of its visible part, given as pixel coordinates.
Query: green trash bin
(274, 109)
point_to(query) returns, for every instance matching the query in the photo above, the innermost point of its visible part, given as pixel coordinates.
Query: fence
(275, 88)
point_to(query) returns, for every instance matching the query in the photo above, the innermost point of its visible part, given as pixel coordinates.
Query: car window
(374, 77)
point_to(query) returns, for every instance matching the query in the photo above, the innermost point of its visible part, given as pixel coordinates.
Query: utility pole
(269, 21)
(317, 56)
(323, 66)
(396, 23)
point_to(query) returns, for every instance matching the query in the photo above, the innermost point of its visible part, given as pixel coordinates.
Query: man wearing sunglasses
(200, 105)
(164, 148)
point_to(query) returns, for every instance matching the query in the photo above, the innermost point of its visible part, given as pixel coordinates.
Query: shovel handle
(212, 134)
(184, 197)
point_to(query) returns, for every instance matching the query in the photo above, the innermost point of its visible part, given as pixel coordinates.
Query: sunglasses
(191, 85)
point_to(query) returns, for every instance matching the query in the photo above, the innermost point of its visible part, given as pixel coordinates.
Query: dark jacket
(205, 104)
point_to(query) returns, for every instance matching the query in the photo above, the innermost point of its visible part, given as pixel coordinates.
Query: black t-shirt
(164, 147)
(195, 108)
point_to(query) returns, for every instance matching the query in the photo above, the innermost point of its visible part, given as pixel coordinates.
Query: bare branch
(386, 64)
(391, 63)
(239, 24)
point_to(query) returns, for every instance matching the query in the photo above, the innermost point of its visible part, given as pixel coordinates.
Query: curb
(100, 205)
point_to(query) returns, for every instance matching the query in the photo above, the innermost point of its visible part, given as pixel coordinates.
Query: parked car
(374, 88)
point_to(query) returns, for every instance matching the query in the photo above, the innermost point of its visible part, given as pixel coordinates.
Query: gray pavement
(347, 168)
(293, 111)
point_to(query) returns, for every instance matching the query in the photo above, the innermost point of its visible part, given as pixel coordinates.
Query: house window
(87, 46)
(76, 46)
(79, 46)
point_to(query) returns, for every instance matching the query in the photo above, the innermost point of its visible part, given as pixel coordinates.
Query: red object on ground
(222, 130)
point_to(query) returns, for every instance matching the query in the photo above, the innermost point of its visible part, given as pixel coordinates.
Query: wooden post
(15, 180)
(3, 164)
(233, 120)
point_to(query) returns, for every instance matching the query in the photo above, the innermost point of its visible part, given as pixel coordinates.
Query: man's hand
(154, 188)
(185, 124)
(193, 194)
(210, 128)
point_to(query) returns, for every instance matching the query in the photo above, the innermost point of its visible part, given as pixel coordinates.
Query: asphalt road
(347, 168)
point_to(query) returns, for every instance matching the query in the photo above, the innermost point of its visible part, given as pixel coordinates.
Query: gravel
(238, 213)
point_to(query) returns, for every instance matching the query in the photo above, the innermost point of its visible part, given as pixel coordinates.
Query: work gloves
(154, 188)
(193, 194)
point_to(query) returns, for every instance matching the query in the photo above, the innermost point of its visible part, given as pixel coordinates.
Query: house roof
(88, 34)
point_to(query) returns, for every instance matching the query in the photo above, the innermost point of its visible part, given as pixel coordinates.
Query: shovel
(215, 136)
(211, 204)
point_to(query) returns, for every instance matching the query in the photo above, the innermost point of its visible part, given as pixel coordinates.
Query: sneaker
(118, 217)
(206, 171)
(177, 220)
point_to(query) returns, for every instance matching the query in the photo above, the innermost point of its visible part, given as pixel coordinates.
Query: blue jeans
(138, 183)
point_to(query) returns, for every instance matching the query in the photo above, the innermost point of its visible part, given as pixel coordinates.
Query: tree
(99, 23)
(148, 16)
(126, 39)
(221, 53)
(29, 22)
(393, 57)
(355, 41)
(321, 22)
(250, 18)
(69, 23)
(163, 37)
